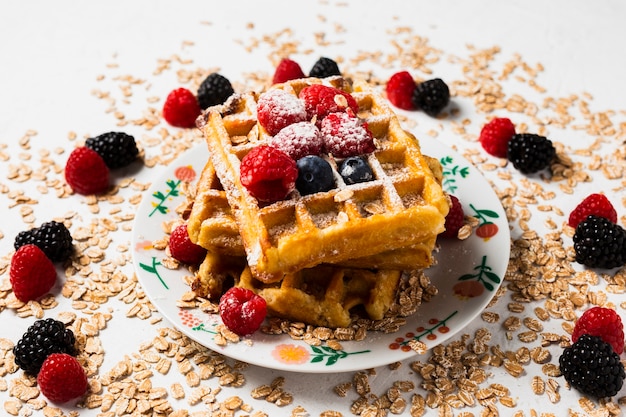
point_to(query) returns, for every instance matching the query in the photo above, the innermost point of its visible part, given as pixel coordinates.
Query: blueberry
(355, 169)
(314, 175)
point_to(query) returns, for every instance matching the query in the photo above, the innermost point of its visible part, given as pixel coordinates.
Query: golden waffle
(325, 295)
(212, 225)
(403, 206)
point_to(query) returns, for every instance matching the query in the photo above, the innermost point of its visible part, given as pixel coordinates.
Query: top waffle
(404, 205)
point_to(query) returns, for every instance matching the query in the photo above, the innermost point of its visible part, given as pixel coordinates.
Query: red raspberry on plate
(287, 70)
(277, 109)
(268, 174)
(596, 204)
(346, 136)
(400, 89)
(86, 172)
(454, 218)
(183, 249)
(298, 140)
(242, 311)
(495, 136)
(181, 108)
(32, 274)
(321, 100)
(604, 323)
(62, 378)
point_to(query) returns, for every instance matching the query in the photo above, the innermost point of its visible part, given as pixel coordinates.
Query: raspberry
(183, 249)
(242, 311)
(315, 175)
(62, 378)
(591, 366)
(277, 109)
(495, 136)
(596, 204)
(431, 96)
(346, 136)
(321, 100)
(287, 70)
(41, 339)
(268, 173)
(86, 172)
(32, 274)
(529, 152)
(214, 90)
(181, 108)
(603, 322)
(324, 67)
(298, 140)
(52, 238)
(454, 218)
(400, 88)
(118, 149)
(599, 243)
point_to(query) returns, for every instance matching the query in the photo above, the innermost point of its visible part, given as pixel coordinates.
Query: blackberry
(314, 175)
(324, 67)
(118, 149)
(41, 339)
(600, 243)
(214, 90)
(529, 152)
(52, 238)
(431, 96)
(355, 169)
(591, 366)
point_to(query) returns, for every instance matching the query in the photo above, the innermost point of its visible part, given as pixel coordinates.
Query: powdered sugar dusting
(346, 136)
(298, 140)
(277, 109)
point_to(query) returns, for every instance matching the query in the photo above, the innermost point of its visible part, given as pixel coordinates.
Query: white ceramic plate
(467, 276)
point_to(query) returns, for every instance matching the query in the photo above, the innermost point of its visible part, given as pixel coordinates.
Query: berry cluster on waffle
(278, 229)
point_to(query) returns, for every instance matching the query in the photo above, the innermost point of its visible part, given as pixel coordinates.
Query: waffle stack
(324, 252)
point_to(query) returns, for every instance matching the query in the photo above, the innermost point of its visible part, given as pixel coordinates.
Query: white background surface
(52, 52)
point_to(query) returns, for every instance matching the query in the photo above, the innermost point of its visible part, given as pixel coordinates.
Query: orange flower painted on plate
(188, 319)
(468, 289)
(185, 173)
(291, 354)
(143, 245)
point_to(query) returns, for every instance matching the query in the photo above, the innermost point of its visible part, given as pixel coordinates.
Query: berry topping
(52, 238)
(86, 172)
(400, 88)
(495, 136)
(454, 219)
(321, 100)
(603, 322)
(529, 152)
(183, 249)
(324, 67)
(181, 108)
(298, 140)
(62, 378)
(355, 169)
(315, 175)
(596, 204)
(431, 96)
(287, 70)
(277, 109)
(591, 366)
(118, 149)
(346, 136)
(242, 311)
(268, 173)
(599, 243)
(41, 339)
(32, 274)
(214, 90)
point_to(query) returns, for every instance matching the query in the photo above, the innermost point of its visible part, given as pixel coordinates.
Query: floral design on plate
(478, 260)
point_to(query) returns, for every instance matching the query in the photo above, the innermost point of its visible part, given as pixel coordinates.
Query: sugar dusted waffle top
(404, 205)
